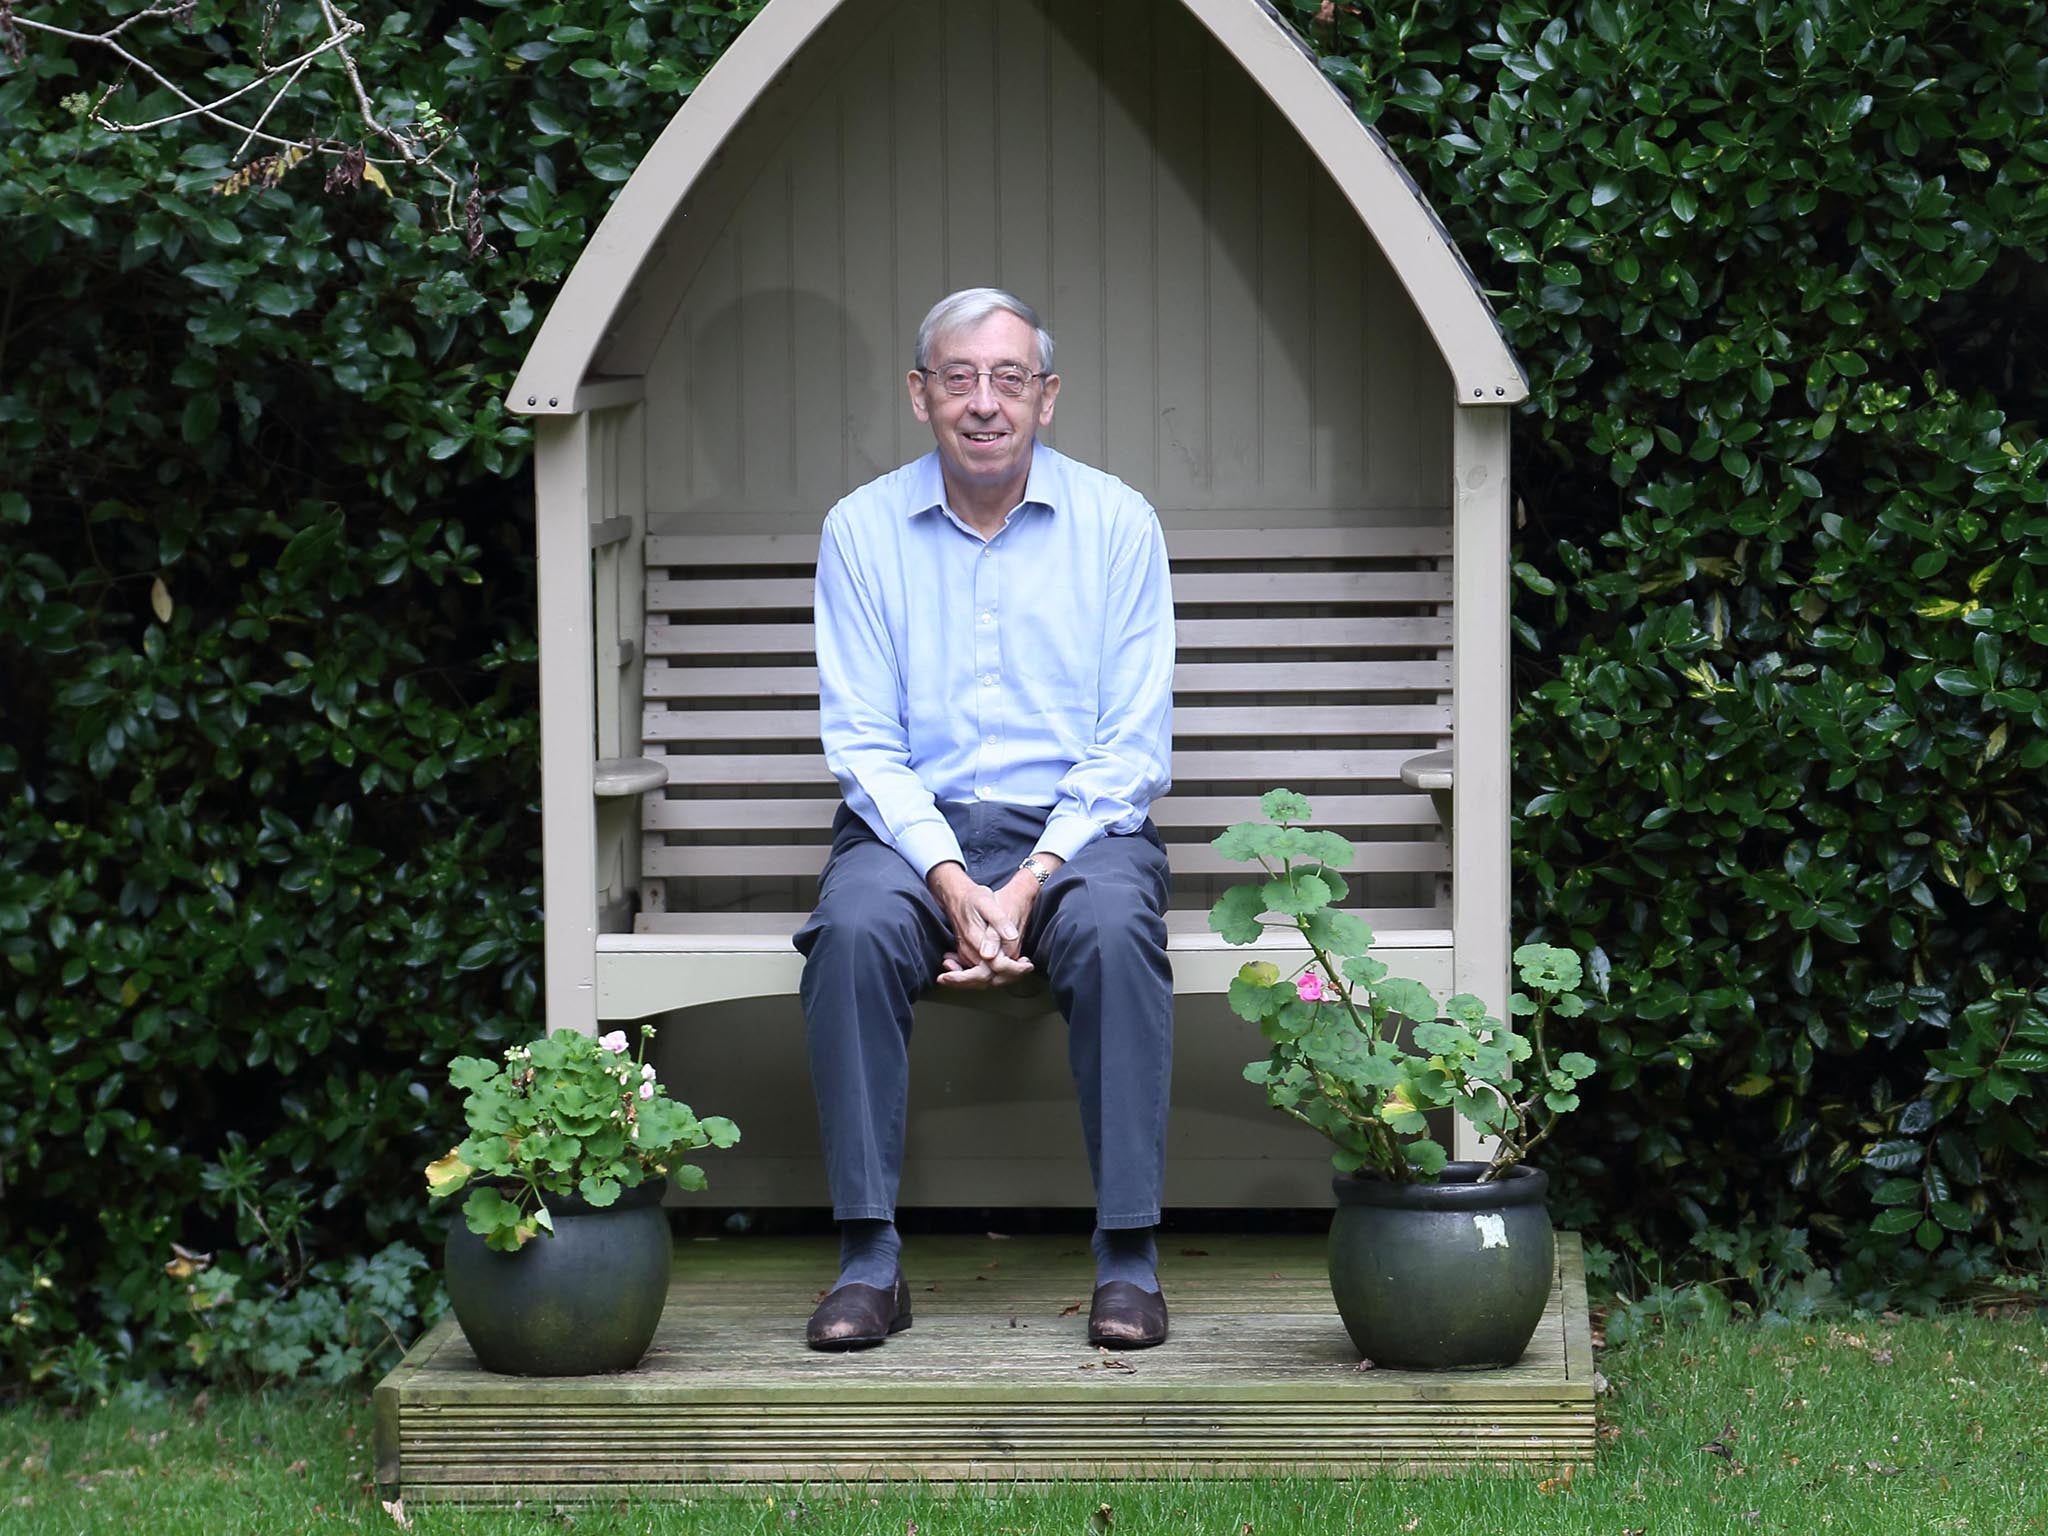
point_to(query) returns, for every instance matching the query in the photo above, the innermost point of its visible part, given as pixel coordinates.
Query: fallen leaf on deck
(1070, 1311)
(395, 1508)
(1561, 1483)
(1364, 1365)
(933, 1286)
(998, 1237)
(1194, 1253)
(1110, 1362)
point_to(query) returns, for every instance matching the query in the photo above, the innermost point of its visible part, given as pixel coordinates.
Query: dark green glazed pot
(1432, 1277)
(580, 1303)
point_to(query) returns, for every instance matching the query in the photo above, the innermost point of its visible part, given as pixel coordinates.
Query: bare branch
(416, 146)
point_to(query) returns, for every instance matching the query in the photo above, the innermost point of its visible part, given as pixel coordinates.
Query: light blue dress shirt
(1034, 668)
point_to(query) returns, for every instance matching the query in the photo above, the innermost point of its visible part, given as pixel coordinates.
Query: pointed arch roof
(555, 378)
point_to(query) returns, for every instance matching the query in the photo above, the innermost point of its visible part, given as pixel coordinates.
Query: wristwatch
(1035, 870)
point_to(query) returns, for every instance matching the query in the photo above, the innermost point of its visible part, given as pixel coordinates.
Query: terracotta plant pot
(1437, 1276)
(582, 1302)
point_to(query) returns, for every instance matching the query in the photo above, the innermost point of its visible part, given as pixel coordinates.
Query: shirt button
(988, 679)
(991, 741)
(988, 618)
(984, 791)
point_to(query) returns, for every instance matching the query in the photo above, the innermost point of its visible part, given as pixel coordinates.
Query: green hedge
(1777, 274)
(268, 820)
(267, 826)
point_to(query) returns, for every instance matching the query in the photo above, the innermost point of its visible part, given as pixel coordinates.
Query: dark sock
(1127, 1253)
(868, 1251)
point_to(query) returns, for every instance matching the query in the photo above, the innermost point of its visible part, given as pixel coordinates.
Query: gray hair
(971, 306)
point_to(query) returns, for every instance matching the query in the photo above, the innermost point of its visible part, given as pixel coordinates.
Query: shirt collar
(1045, 486)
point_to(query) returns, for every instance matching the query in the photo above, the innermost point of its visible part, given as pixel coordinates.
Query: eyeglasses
(959, 379)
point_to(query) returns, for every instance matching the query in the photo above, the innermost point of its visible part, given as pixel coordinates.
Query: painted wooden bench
(1317, 658)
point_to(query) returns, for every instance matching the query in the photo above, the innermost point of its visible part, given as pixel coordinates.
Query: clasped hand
(988, 929)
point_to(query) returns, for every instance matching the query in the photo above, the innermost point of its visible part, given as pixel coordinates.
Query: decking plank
(994, 1381)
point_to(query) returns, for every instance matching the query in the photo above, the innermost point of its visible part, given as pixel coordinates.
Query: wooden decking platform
(995, 1381)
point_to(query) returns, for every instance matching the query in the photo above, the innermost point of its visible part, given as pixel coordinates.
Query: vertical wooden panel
(1180, 193)
(921, 190)
(712, 418)
(1229, 338)
(875, 355)
(1287, 304)
(1340, 253)
(976, 162)
(765, 370)
(1479, 682)
(569, 721)
(1075, 301)
(816, 448)
(1022, 215)
(1233, 288)
(1130, 258)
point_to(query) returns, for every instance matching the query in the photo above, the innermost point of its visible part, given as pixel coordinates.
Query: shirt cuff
(927, 844)
(1067, 833)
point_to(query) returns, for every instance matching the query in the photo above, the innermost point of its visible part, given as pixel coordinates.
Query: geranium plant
(561, 1115)
(1362, 1055)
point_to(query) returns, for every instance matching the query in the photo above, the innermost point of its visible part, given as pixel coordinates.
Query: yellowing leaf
(1750, 1087)
(1996, 743)
(1979, 581)
(376, 179)
(1938, 608)
(160, 601)
(448, 1174)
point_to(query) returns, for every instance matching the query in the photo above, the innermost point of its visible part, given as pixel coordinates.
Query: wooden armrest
(1431, 771)
(618, 777)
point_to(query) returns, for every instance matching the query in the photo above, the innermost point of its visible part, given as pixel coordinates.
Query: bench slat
(660, 724)
(1365, 632)
(1185, 930)
(1264, 769)
(715, 593)
(1265, 545)
(719, 861)
(667, 681)
(815, 813)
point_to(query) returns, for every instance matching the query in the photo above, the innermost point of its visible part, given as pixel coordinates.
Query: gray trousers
(1097, 934)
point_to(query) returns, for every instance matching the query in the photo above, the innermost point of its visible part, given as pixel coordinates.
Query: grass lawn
(1885, 1427)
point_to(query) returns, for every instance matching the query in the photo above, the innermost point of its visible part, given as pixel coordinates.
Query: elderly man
(995, 670)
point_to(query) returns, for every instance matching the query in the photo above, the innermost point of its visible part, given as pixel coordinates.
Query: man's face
(985, 437)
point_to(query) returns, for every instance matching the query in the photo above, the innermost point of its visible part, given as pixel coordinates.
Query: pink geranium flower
(647, 1090)
(1309, 987)
(615, 1041)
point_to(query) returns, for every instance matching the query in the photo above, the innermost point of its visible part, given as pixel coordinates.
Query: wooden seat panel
(1317, 658)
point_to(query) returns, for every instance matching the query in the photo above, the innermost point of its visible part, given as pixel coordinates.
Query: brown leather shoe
(1125, 1316)
(859, 1316)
